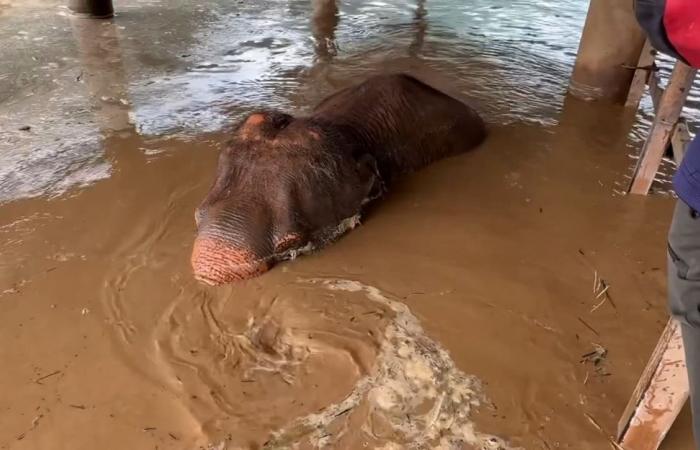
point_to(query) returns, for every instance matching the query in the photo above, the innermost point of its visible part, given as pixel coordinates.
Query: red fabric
(682, 23)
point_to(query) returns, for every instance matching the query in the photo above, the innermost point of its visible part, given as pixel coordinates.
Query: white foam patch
(415, 388)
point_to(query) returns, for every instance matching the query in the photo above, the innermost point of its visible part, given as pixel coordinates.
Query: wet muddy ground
(457, 315)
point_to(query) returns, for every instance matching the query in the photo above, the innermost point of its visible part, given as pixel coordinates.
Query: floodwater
(455, 317)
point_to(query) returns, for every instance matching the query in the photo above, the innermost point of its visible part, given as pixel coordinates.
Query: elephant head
(287, 185)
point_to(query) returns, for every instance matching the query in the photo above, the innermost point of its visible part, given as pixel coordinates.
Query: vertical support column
(611, 41)
(97, 9)
(659, 396)
(667, 115)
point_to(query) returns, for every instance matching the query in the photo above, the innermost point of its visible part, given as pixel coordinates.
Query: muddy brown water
(109, 343)
(456, 316)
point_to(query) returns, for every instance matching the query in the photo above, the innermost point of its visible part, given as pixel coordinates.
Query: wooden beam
(659, 396)
(656, 92)
(680, 140)
(644, 69)
(667, 115)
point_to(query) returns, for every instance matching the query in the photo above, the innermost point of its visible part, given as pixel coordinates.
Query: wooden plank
(644, 68)
(668, 113)
(656, 92)
(646, 377)
(659, 396)
(680, 140)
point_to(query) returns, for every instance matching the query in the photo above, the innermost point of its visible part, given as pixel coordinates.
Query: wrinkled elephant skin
(286, 185)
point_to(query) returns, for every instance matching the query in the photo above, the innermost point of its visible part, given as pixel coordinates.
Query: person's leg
(684, 295)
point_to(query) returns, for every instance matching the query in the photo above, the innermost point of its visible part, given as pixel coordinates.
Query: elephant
(288, 185)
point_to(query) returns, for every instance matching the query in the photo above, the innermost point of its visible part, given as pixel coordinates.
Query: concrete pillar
(611, 40)
(98, 9)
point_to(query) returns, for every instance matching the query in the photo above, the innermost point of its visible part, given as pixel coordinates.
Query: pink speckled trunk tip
(217, 262)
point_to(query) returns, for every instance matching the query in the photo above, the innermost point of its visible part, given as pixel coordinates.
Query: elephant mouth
(216, 262)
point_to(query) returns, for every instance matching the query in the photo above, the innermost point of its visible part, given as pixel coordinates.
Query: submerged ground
(473, 280)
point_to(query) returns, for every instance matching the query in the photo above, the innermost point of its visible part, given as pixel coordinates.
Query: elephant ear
(368, 170)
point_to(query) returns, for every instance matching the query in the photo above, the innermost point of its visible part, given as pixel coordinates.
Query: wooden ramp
(659, 396)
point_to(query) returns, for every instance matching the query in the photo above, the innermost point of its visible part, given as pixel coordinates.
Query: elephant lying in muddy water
(287, 185)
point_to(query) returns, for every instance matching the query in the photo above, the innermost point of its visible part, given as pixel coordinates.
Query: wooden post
(659, 396)
(611, 43)
(96, 9)
(667, 115)
(644, 68)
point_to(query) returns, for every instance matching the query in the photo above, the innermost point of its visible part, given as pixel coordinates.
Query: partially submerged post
(611, 43)
(97, 9)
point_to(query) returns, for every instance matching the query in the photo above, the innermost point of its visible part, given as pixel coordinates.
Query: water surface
(185, 67)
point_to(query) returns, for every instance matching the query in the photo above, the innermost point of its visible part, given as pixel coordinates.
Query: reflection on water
(325, 21)
(191, 67)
